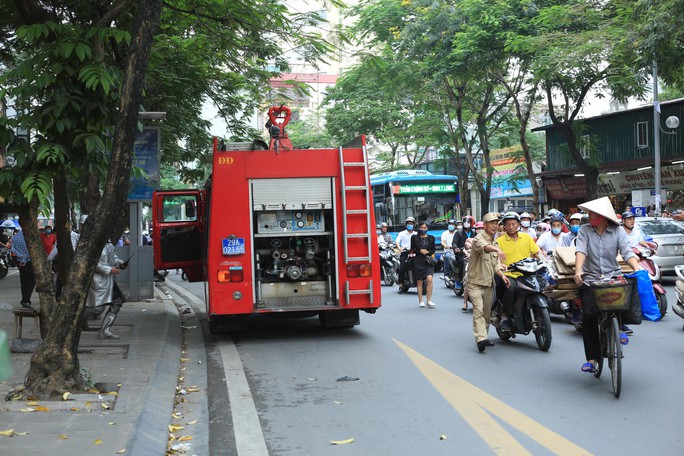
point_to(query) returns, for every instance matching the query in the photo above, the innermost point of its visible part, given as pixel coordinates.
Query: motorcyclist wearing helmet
(526, 224)
(550, 240)
(447, 239)
(403, 243)
(634, 234)
(384, 238)
(515, 246)
(459, 241)
(570, 238)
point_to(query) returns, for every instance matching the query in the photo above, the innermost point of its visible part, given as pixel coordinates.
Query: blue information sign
(639, 211)
(233, 246)
(145, 157)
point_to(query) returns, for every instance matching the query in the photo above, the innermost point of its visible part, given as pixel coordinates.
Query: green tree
(574, 48)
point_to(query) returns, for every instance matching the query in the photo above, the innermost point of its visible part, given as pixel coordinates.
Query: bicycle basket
(612, 295)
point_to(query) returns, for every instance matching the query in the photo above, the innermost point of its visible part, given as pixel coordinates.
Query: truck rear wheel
(223, 324)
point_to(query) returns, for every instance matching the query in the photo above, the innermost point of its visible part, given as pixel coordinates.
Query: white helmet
(577, 216)
(525, 215)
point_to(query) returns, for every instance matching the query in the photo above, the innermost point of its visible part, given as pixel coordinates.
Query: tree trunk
(55, 367)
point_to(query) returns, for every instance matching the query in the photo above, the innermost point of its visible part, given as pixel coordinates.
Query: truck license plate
(235, 246)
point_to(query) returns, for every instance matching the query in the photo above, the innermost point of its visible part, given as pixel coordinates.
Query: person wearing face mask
(552, 239)
(49, 240)
(383, 236)
(459, 226)
(598, 244)
(423, 246)
(570, 237)
(514, 246)
(403, 243)
(458, 244)
(526, 224)
(446, 241)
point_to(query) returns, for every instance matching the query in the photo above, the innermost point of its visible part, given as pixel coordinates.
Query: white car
(669, 235)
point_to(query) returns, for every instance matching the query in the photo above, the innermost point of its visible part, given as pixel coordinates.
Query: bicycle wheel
(615, 356)
(602, 352)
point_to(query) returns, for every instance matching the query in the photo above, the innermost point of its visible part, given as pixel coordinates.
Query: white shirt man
(633, 233)
(447, 241)
(403, 240)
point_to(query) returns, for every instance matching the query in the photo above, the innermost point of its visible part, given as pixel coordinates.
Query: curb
(151, 427)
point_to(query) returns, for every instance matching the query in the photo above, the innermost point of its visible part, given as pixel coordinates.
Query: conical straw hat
(601, 206)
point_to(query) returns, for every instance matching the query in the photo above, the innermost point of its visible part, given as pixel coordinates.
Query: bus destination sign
(405, 189)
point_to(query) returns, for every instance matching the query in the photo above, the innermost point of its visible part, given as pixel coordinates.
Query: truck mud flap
(339, 318)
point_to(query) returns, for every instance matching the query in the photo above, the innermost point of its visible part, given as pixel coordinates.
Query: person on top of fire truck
(404, 245)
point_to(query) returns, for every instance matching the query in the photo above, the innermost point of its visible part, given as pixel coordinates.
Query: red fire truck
(276, 230)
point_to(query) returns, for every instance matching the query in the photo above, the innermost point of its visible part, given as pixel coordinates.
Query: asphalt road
(410, 381)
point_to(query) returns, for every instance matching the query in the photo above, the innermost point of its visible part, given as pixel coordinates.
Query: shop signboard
(508, 165)
(145, 157)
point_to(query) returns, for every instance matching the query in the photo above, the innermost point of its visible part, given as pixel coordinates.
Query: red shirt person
(49, 240)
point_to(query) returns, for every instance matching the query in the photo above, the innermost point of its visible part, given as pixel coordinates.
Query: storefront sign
(145, 157)
(672, 178)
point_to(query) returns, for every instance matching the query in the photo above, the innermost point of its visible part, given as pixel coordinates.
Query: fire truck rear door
(178, 233)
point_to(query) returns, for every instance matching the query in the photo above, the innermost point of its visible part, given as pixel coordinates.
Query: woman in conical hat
(598, 243)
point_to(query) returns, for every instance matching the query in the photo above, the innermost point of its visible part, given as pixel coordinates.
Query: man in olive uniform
(486, 261)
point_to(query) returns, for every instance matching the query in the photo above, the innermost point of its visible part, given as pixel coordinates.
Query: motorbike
(531, 306)
(409, 282)
(389, 265)
(678, 307)
(454, 279)
(644, 255)
(160, 275)
(4, 261)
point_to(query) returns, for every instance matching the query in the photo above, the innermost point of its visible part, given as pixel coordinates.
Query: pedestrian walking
(485, 263)
(423, 247)
(26, 276)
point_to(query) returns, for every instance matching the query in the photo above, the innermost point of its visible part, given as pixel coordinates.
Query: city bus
(417, 193)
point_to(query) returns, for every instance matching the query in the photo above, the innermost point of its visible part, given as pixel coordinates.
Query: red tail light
(234, 274)
(359, 270)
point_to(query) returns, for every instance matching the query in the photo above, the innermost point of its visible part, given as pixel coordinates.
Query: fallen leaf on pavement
(337, 402)
(74, 409)
(88, 403)
(342, 442)
(66, 395)
(185, 438)
(311, 379)
(21, 433)
(93, 391)
(32, 404)
(193, 389)
(112, 393)
(7, 433)
(191, 422)
(42, 409)
(173, 428)
(442, 437)
(63, 437)
(185, 359)
(105, 406)
(27, 409)
(121, 451)
(97, 442)
(112, 423)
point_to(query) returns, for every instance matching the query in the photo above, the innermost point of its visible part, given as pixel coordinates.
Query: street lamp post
(672, 122)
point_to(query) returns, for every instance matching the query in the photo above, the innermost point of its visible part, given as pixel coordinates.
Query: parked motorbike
(4, 261)
(531, 306)
(644, 255)
(678, 307)
(389, 265)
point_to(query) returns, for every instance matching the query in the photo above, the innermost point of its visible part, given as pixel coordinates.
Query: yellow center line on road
(473, 405)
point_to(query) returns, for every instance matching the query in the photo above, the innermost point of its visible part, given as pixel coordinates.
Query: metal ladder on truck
(356, 209)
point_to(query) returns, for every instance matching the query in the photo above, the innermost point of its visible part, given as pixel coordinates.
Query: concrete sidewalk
(140, 370)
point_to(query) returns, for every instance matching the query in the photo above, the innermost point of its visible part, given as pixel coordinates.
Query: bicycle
(611, 297)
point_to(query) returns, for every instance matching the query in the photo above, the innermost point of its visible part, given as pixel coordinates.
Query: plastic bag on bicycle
(649, 304)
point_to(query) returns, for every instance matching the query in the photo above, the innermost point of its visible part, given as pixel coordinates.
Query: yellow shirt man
(523, 246)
